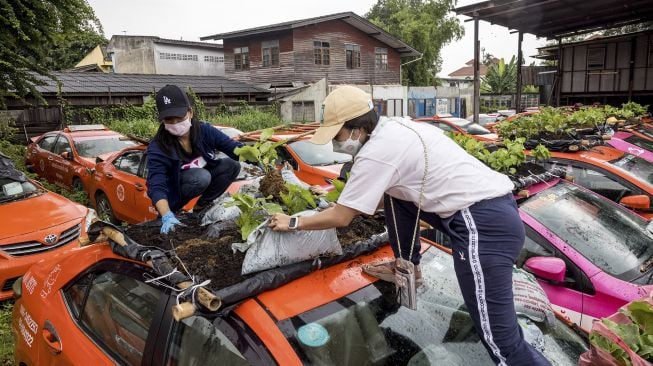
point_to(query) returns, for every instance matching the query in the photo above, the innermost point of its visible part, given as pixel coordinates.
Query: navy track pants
(486, 239)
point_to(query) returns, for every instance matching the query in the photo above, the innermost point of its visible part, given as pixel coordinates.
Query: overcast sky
(191, 19)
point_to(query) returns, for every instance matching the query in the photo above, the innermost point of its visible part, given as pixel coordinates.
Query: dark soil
(527, 169)
(212, 258)
(272, 184)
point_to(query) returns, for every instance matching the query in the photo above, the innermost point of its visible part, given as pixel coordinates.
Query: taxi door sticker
(27, 326)
(50, 280)
(42, 165)
(120, 192)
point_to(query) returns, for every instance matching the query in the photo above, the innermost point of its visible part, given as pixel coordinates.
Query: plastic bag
(530, 299)
(218, 211)
(268, 249)
(289, 176)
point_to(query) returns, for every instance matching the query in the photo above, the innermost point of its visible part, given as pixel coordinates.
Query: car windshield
(641, 142)
(483, 119)
(91, 148)
(230, 131)
(313, 154)
(636, 167)
(610, 236)
(368, 327)
(475, 129)
(13, 190)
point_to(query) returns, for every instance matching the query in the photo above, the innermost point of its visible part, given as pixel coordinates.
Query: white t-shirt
(392, 162)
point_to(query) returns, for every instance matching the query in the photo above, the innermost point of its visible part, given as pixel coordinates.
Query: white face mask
(349, 146)
(179, 128)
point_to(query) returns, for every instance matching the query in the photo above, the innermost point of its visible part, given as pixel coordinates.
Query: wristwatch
(293, 224)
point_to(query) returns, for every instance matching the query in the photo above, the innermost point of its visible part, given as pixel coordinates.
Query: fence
(492, 102)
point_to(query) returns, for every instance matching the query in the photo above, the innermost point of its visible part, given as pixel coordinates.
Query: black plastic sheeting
(273, 278)
(564, 145)
(8, 170)
(523, 182)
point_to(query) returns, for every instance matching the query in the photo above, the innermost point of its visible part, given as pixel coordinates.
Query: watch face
(293, 223)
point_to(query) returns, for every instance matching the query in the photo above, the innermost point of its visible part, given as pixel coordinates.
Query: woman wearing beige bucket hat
(419, 173)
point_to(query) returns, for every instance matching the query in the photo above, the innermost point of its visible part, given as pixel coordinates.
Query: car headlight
(91, 217)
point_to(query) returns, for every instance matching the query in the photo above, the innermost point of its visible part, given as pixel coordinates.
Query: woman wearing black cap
(182, 159)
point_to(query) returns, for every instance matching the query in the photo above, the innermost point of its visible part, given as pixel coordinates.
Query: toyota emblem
(51, 239)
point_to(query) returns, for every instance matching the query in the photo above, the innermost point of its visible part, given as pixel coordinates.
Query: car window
(636, 167)
(638, 141)
(597, 181)
(129, 162)
(12, 190)
(116, 311)
(230, 131)
(313, 154)
(196, 341)
(443, 126)
(90, 148)
(610, 236)
(368, 327)
(61, 145)
(47, 143)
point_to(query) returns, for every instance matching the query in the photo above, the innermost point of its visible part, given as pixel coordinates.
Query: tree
(71, 47)
(30, 29)
(425, 25)
(501, 78)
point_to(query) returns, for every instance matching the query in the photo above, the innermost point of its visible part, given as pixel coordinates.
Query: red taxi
(448, 123)
(67, 157)
(36, 224)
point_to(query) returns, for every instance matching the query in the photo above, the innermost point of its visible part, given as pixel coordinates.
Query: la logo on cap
(166, 100)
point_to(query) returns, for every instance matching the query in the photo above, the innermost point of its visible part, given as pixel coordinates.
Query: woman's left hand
(279, 222)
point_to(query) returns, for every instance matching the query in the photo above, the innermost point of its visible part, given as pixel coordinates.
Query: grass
(6, 336)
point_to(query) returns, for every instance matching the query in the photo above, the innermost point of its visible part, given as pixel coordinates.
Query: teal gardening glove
(168, 222)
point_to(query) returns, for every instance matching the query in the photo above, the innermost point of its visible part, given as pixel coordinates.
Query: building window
(321, 53)
(241, 58)
(303, 111)
(353, 52)
(381, 58)
(213, 59)
(177, 56)
(270, 52)
(395, 107)
(595, 58)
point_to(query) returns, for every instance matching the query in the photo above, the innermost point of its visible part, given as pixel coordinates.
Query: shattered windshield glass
(635, 166)
(90, 148)
(313, 154)
(610, 236)
(368, 327)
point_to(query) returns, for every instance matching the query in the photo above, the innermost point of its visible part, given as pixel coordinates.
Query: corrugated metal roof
(560, 18)
(351, 18)
(100, 83)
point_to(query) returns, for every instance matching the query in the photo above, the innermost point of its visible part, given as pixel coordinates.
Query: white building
(154, 55)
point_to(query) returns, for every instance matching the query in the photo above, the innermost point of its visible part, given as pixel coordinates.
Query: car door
(144, 207)
(62, 168)
(567, 297)
(42, 156)
(112, 315)
(123, 184)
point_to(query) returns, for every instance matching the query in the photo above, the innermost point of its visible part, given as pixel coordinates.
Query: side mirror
(548, 268)
(67, 154)
(640, 201)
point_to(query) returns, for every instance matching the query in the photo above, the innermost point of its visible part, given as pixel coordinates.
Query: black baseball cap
(171, 101)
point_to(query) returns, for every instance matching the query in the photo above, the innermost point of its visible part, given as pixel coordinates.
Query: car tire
(103, 208)
(77, 185)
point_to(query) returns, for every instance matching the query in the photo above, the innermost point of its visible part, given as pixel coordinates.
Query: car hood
(331, 171)
(52, 210)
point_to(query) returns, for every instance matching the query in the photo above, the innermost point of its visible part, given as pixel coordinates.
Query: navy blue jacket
(164, 171)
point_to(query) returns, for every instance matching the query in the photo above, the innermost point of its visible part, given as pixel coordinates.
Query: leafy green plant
(6, 335)
(253, 211)
(506, 160)
(262, 152)
(338, 186)
(473, 147)
(588, 117)
(635, 108)
(638, 335)
(144, 128)
(541, 153)
(297, 199)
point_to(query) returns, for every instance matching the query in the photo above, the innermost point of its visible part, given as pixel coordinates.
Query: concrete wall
(132, 55)
(198, 65)
(315, 93)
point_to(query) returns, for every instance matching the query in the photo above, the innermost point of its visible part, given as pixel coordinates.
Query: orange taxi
(449, 123)
(66, 157)
(36, 224)
(616, 175)
(118, 190)
(92, 307)
(312, 164)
